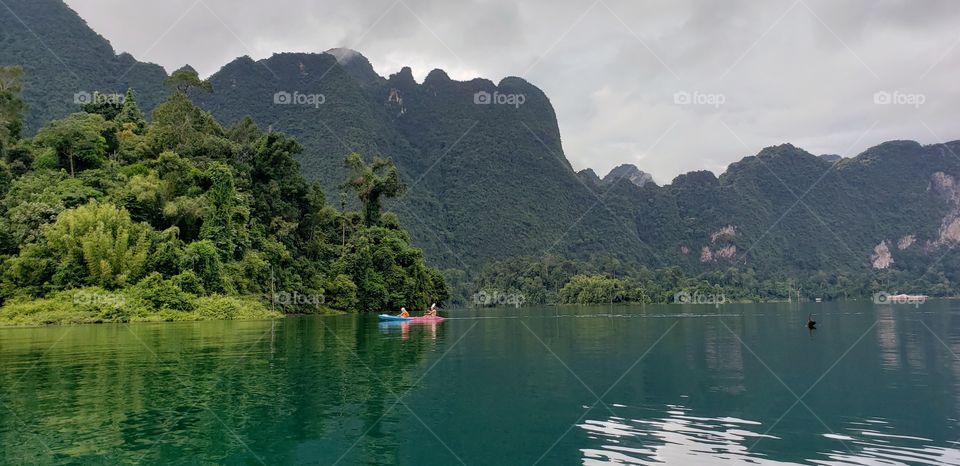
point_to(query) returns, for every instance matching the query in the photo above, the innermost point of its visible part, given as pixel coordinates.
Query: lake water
(747, 384)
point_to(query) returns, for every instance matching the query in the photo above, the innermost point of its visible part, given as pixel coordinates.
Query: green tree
(593, 289)
(224, 217)
(179, 126)
(11, 105)
(185, 79)
(77, 140)
(131, 114)
(35, 199)
(106, 105)
(94, 244)
(202, 258)
(371, 183)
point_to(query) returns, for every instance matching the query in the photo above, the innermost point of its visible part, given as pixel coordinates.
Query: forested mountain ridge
(488, 179)
(65, 61)
(478, 172)
(787, 209)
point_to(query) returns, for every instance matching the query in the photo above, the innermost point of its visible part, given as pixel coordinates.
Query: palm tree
(371, 182)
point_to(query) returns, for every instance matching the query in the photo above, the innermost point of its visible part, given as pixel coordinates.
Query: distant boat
(819, 300)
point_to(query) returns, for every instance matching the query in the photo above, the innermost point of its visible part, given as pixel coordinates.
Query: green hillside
(488, 180)
(65, 61)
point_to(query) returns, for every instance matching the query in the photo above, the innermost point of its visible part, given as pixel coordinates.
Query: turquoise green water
(660, 384)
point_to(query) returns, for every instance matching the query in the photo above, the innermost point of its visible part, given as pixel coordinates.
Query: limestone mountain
(477, 171)
(896, 205)
(488, 179)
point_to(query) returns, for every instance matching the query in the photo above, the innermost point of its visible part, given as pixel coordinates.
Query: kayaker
(403, 312)
(433, 310)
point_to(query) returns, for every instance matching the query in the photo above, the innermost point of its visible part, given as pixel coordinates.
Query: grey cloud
(810, 79)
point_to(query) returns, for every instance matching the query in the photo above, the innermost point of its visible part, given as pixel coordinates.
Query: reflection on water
(877, 442)
(684, 385)
(675, 436)
(277, 392)
(403, 328)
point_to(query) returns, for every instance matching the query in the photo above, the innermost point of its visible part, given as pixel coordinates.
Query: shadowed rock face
(947, 186)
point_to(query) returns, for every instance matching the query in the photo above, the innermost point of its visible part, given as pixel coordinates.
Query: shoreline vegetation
(554, 280)
(45, 312)
(110, 218)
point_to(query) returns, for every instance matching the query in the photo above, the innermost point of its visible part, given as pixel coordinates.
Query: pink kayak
(426, 319)
(390, 318)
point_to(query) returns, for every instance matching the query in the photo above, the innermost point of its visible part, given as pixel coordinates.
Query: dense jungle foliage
(107, 217)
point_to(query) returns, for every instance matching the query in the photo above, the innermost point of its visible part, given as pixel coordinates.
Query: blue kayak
(390, 318)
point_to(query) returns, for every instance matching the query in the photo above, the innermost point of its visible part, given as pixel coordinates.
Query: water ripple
(677, 437)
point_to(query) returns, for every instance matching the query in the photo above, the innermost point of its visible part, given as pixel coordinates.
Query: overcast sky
(755, 73)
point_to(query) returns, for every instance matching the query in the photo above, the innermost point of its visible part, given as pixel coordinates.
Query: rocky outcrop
(728, 252)
(881, 257)
(630, 173)
(726, 232)
(947, 186)
(906, 242)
